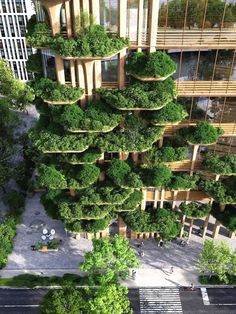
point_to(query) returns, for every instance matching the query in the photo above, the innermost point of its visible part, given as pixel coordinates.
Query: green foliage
(217, 259)
(140, 95)
(155, 64)
(155, 156)
(114, 253)
(87, 175)
(159, 220)
(17, 93)
(46, 141)
(63, 301)
(129, 141)
(226, 217)
(15, 201)
(222, 191)
(223, 165)
(158, 176)
(54, 91)
(214, 280)
(171, 113)
(195, 210)
(216, 11)
(183, 181)
(51, 178)
(7, 235)
(131, 203)
(89, 156)
(90, 42)
(34, 63)
(202, 133)
(96, 117)
(120, 172)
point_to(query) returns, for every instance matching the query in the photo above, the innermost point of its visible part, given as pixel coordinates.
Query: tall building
(14, 15)
(200, 36)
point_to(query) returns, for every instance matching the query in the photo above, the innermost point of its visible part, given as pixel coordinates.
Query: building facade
(14, 15)
(200, 39)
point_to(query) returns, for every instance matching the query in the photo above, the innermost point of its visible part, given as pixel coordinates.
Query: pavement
(155, 300)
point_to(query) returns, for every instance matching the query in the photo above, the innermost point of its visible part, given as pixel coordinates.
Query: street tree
(110, 253)
(215, 259)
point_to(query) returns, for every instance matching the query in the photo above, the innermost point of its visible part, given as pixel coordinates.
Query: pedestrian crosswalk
(160, 301)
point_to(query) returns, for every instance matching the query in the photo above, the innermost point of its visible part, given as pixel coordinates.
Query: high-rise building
(199, 35)
(14, 15)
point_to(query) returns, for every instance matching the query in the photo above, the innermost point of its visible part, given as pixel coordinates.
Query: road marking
(160, 300)
(205, 297)
(19, 305)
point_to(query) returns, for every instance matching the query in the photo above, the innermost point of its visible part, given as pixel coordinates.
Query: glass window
(110, 70)
(109, 14)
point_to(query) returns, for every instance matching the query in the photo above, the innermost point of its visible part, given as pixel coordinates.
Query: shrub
(202, 133)
(96, 117)
(195, 210)
(34, 63)
(54, 91)
(131, 203)
(226, 217)
(183, 181)
(171, 113)
(158, 176)
(156, 156)
(140, 95)
(15, 201)
(224, 165)
(155, 64)
(159, 220)
(89, 156)
(87, 175)
(51, 178)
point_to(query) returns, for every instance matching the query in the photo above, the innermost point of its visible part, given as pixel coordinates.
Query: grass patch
(31, 281)
(214, 280)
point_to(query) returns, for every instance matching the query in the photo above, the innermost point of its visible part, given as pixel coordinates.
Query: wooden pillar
(153, 24)
(190, 228)
(162, 198)
(156, 195)
(122, 227)
(194, 157)
(175, 193)
(60, 69)
(205, 226)
(72, 192)
(76, 13)
(231, 235)
(121, 68)
(72, 73)
(182, 228)
(222, 207)
(216, 229)
(143, 204)
(123, 156)
(54, 10)
(97, 79)
(135, 157)
(68, 19)
(81, 80)
(122, 14)
(140, 24)
(95, 10)
(88, 76)
(160, 143)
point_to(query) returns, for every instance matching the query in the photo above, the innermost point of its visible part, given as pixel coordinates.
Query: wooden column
(60, 69)
(175, 193)
(231, 234)
(160, 143)
(156, 195)
(194, 157)
(97, 74)
(122, 227)
(122, 13)
(72, 73)
(182, 228)
(205, 226)
(88, 77)
(76, 13)
(153, 24)
(53, 8)
(121, 68)
(162, 198)
(135, 157)
(216, 229)
(95, 10)
(72, 192)
(143, 204)
(68, 19)
(140, 24)
(190, 228)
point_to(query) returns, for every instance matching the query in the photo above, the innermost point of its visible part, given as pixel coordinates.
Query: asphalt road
(143, 301)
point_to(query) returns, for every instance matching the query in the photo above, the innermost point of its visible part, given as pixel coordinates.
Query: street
(153, 300)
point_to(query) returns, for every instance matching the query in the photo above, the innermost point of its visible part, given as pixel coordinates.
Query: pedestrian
(142, 244)
(161, 243)
(192, 286)
(141, 253)
(133, 274)
(172, 269)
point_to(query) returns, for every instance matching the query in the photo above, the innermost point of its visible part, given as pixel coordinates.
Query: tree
(18, 94)
(109, 299)
(113, 253)
(215, 259)
(63, 301)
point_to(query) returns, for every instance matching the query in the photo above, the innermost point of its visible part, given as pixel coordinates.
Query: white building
(13, 19)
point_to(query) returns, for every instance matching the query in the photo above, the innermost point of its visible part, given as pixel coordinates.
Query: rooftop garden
(203, 133)
(90, 41)
(171, 113)
(140, 96)
(52, 91)
(223, 191)
(195, 210)
(154, 65)
(97, 117)
(223, 165)
(159, 220)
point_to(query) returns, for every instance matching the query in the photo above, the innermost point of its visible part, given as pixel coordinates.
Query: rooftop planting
(223, 192)
(159, 220)
(154, 65)
(171, 113)
(97, 117)
(49, 90)
(195, 210)
(91, 41)
(224, 165)
(202, 133)
(156, 156)
(49, 142)
(142, 96)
